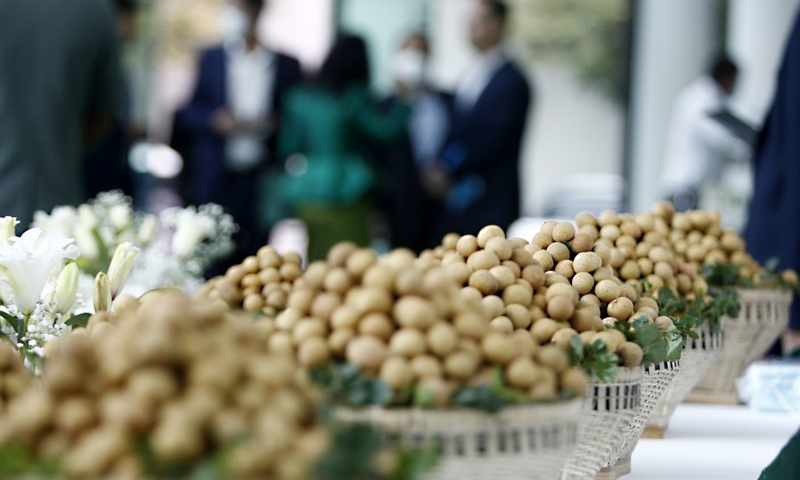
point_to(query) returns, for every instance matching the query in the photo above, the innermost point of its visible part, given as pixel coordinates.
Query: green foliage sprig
(658, 345)
(594, 358)
(697, 311)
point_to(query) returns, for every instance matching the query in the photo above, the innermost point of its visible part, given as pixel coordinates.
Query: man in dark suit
(477, 176)
(407, 206)
(772, 230)
(232, 119)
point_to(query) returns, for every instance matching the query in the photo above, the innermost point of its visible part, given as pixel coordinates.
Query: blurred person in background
(477, 174)
(233, 118)
(408, 206)
(107, 162)
(60, 88)
(328, 126)
(698, 145)
(773, 230)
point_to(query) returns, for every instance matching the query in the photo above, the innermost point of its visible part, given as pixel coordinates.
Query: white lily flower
(86, 216)
(29, 261)
(120, 267)
(7, 226)
(102, 293)
(120, 216)
(66, 288)
(86, 242)
(188, 235)
(147, 230)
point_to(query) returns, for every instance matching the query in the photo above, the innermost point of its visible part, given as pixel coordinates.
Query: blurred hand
(790, 341)
(435, 180)
(223, 122)
(264, 126)
(406, 90)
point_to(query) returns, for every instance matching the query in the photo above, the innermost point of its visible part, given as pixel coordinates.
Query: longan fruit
(558, 251)
(560, 308)
(502, 324)
(483, 260)
(407, 341)
(367, 352)
(497, 348)
(500, 246)
(521, 373)
(489, 232)
(484, 281)
(396, 372)
(563, 232)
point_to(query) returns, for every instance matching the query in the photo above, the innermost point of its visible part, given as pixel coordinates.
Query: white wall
(673, 42)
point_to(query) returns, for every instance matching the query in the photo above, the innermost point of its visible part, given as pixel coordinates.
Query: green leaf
(600, 362)
(575, 351)
(78, 320)
(18, 324)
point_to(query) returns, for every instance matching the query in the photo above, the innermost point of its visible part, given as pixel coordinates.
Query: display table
(710, 442)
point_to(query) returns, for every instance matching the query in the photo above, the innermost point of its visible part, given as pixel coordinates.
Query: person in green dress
(329, 125)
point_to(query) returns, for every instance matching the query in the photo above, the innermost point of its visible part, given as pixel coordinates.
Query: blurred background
(605, 77)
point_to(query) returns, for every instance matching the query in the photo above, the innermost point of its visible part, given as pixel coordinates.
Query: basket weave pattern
(523, 442)
(657, 379)
(763, 316)
(608, 409)
(697, 357)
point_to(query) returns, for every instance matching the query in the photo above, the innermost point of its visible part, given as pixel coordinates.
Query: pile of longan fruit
(405, 320)
(544, 288)
(14, 377)
(188, 376)
(261, 283)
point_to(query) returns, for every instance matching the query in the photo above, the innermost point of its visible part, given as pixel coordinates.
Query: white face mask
(233, 23)
(408, 67)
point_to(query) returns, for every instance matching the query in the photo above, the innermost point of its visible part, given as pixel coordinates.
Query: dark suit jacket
(484, 149)
(773, 229)
(410, 210)
(206, 150)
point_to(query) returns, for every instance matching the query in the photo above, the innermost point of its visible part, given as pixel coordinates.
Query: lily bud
(187, 237)
(87, 217)
(148, 229)
(120, 216)
(86, 242)
(66, 288)
(102, 293)
(7, 225)
(120, 268)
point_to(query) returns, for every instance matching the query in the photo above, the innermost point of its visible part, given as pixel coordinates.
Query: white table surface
(710, 442)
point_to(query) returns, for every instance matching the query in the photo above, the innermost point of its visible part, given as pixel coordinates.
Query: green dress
(327, 179)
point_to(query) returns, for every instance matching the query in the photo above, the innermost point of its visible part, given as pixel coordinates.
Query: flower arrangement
(174, 247)
(38, 286)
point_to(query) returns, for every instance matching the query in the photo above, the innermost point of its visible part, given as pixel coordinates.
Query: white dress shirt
(428, 126)
(251, 79)
(478, 77)
(698, 147)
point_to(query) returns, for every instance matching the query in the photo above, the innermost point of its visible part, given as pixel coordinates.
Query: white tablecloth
(709, 442)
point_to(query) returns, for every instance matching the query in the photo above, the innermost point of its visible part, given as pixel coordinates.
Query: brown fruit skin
(631, 354)
(576, 380)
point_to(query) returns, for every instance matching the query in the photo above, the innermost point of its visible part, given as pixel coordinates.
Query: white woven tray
(608, 409)
(657, 379)
(523, 442)
(697, 357)
(763, 316)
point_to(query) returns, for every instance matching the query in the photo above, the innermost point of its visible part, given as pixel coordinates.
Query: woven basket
(523, 442)
(763, 316)
(657, 379)
(697, 357)
(608, 409)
